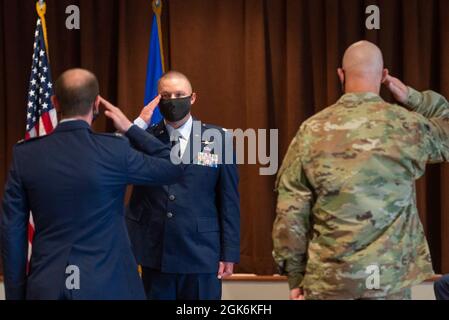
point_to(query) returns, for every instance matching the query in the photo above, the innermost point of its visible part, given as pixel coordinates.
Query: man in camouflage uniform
(347, 224)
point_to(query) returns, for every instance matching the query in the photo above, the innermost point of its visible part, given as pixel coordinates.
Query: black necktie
(175, 142)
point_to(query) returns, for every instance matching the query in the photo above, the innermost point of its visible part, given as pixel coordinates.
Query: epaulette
(153, 127)
(111, 135)
(211, 126)
(24, 141)
(157, 129)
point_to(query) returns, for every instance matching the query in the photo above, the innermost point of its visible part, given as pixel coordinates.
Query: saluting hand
(398, 89)
(147, 111)
(121, 122)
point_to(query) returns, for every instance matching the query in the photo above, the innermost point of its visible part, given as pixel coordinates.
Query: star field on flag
(41, 114)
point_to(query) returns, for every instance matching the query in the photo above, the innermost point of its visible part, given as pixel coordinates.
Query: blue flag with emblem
(155, 66)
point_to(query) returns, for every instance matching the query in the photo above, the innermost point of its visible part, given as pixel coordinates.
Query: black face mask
(175, 109)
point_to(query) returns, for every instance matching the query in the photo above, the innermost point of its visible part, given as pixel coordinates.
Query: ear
(55, 103)
(97, 102)
(193, 98)
(385, 74)
(341, 75)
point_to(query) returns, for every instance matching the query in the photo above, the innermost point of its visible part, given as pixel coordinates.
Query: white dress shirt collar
(183, 130)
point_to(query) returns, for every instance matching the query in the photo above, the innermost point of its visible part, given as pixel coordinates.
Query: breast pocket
(205, 170)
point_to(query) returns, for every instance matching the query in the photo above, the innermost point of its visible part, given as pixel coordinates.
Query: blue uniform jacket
(74, 182)
(191, 225)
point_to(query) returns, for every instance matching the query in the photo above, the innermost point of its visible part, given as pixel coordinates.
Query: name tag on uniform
(207, 159)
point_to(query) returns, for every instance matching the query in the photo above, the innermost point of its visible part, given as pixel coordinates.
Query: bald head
(174, 81)
(363, 58)
(76, 90)
(363, 68)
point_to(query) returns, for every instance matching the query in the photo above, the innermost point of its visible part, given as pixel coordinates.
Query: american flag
(41, 114)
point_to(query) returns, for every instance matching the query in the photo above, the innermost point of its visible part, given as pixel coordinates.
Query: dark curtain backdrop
(254, 64)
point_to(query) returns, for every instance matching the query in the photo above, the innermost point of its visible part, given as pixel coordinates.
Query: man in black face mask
(186, 235)
(175, 99)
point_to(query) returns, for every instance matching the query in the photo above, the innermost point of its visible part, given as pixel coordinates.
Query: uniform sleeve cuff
(414, 99)
(295, 280)
(15, 292)
(141, 123)
(231, 255)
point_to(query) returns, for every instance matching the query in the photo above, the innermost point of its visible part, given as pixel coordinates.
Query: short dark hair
(76, 91)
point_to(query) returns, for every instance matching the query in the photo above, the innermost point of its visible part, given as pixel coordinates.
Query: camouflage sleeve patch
(414, 99)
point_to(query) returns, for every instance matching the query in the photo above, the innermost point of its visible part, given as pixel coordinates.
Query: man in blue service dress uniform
(186, 235)
(75, 189)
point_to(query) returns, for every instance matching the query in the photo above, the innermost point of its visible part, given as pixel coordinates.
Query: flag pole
(41, 9)
(157, 9)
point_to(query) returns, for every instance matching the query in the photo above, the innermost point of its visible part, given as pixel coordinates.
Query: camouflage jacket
(346, 196)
